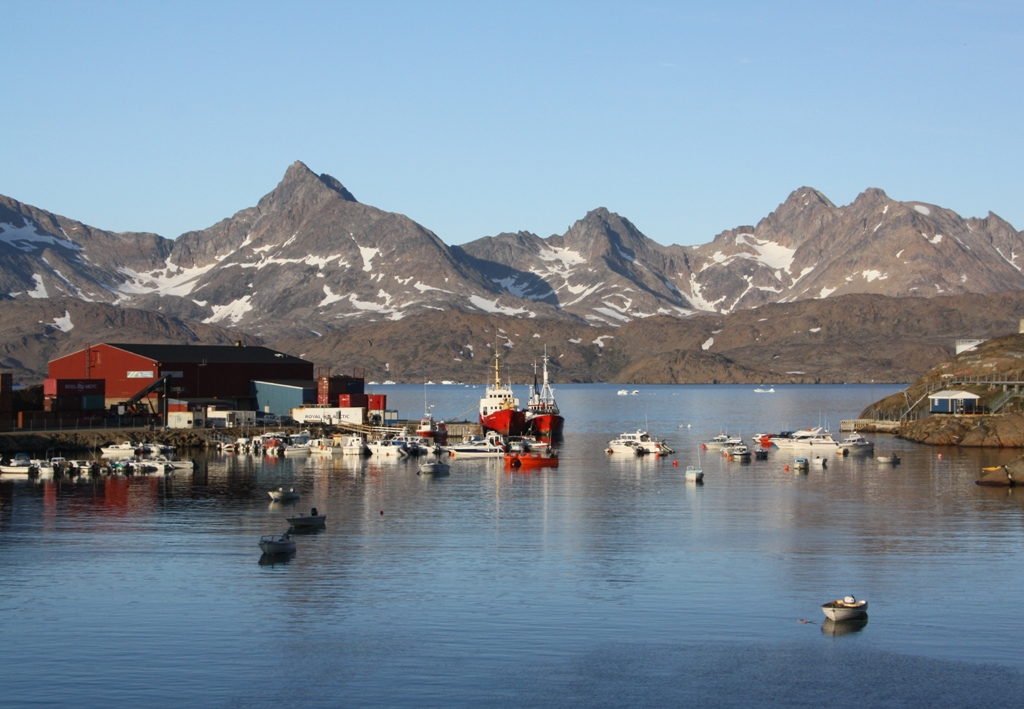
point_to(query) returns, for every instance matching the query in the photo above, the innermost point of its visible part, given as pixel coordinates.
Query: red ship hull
(507, 422)
(547, 424)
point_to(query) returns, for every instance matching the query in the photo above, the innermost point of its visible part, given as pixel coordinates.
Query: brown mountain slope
(856, 338)
(36, 331)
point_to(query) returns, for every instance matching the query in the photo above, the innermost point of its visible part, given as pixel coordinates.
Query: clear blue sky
(481, 117)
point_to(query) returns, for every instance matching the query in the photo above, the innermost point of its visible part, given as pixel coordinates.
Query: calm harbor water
(604, 582)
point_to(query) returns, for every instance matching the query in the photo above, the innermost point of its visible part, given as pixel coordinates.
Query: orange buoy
(787, 468)
(940, 456)
(703, 447)
(675, 463)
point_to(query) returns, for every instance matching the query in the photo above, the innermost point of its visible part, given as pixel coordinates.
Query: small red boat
(534, 459)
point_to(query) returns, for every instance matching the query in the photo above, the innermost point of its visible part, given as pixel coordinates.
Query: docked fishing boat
(312, 520)
(639, 443)
(479, 447)
(542, 414)
(434, 431)
(277, 544)
(282, 495)
(856, 444)
(351, 444)
(127, 449)
(499, 408)
(21, 464)
(322, 446)
(387, 447)
(848, 608)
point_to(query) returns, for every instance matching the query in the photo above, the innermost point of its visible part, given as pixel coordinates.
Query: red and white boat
(434, 431)
(542, 415)
(499, 408)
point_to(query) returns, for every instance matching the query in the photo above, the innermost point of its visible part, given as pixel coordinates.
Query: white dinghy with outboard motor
(848, 608)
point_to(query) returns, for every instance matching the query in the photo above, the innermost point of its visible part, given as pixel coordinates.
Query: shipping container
(352, 401)
(93, 402)
(377, 402)
(74, 387)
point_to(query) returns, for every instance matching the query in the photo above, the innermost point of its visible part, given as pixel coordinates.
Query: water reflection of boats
(843, 627)
(275, 559)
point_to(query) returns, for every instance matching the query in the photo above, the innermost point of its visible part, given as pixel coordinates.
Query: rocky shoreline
(992, 431)
(66, 442)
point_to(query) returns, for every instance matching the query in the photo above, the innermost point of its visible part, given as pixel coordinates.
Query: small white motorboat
(769, 390)
(623, 392)
(694, 475)
(819, 462)
(891, 459)
(856, 444)
(313, 519)
(282, 495)
(434, 468)
(800, 464)
(277, 543)
(848, 608)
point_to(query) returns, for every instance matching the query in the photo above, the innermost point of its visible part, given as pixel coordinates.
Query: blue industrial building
(280, 397)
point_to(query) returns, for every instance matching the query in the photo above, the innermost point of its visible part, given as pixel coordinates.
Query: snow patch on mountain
(63, 324)
(770, 253)
(921, 209)
(491, 306)
(708, 343)
(697, 300)
(29, 238)
(600, 341)
(423, 287)
(614, 314)
(40, 290)
(233, 311)
(171, 280)
(368, 254)
(329, 297)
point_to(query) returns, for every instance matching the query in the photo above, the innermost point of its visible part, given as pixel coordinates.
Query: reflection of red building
(197, 371)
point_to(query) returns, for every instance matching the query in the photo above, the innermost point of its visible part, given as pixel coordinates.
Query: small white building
(953, 402)
(964, 345)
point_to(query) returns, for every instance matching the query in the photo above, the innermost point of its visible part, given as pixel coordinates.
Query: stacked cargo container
(68, 395)
(329, 388)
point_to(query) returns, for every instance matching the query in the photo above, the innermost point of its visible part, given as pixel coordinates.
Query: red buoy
(675, 463)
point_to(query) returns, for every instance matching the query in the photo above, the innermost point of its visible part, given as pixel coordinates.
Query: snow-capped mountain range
(309, 258)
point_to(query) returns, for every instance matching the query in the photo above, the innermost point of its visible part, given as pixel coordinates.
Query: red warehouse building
(196, 371)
